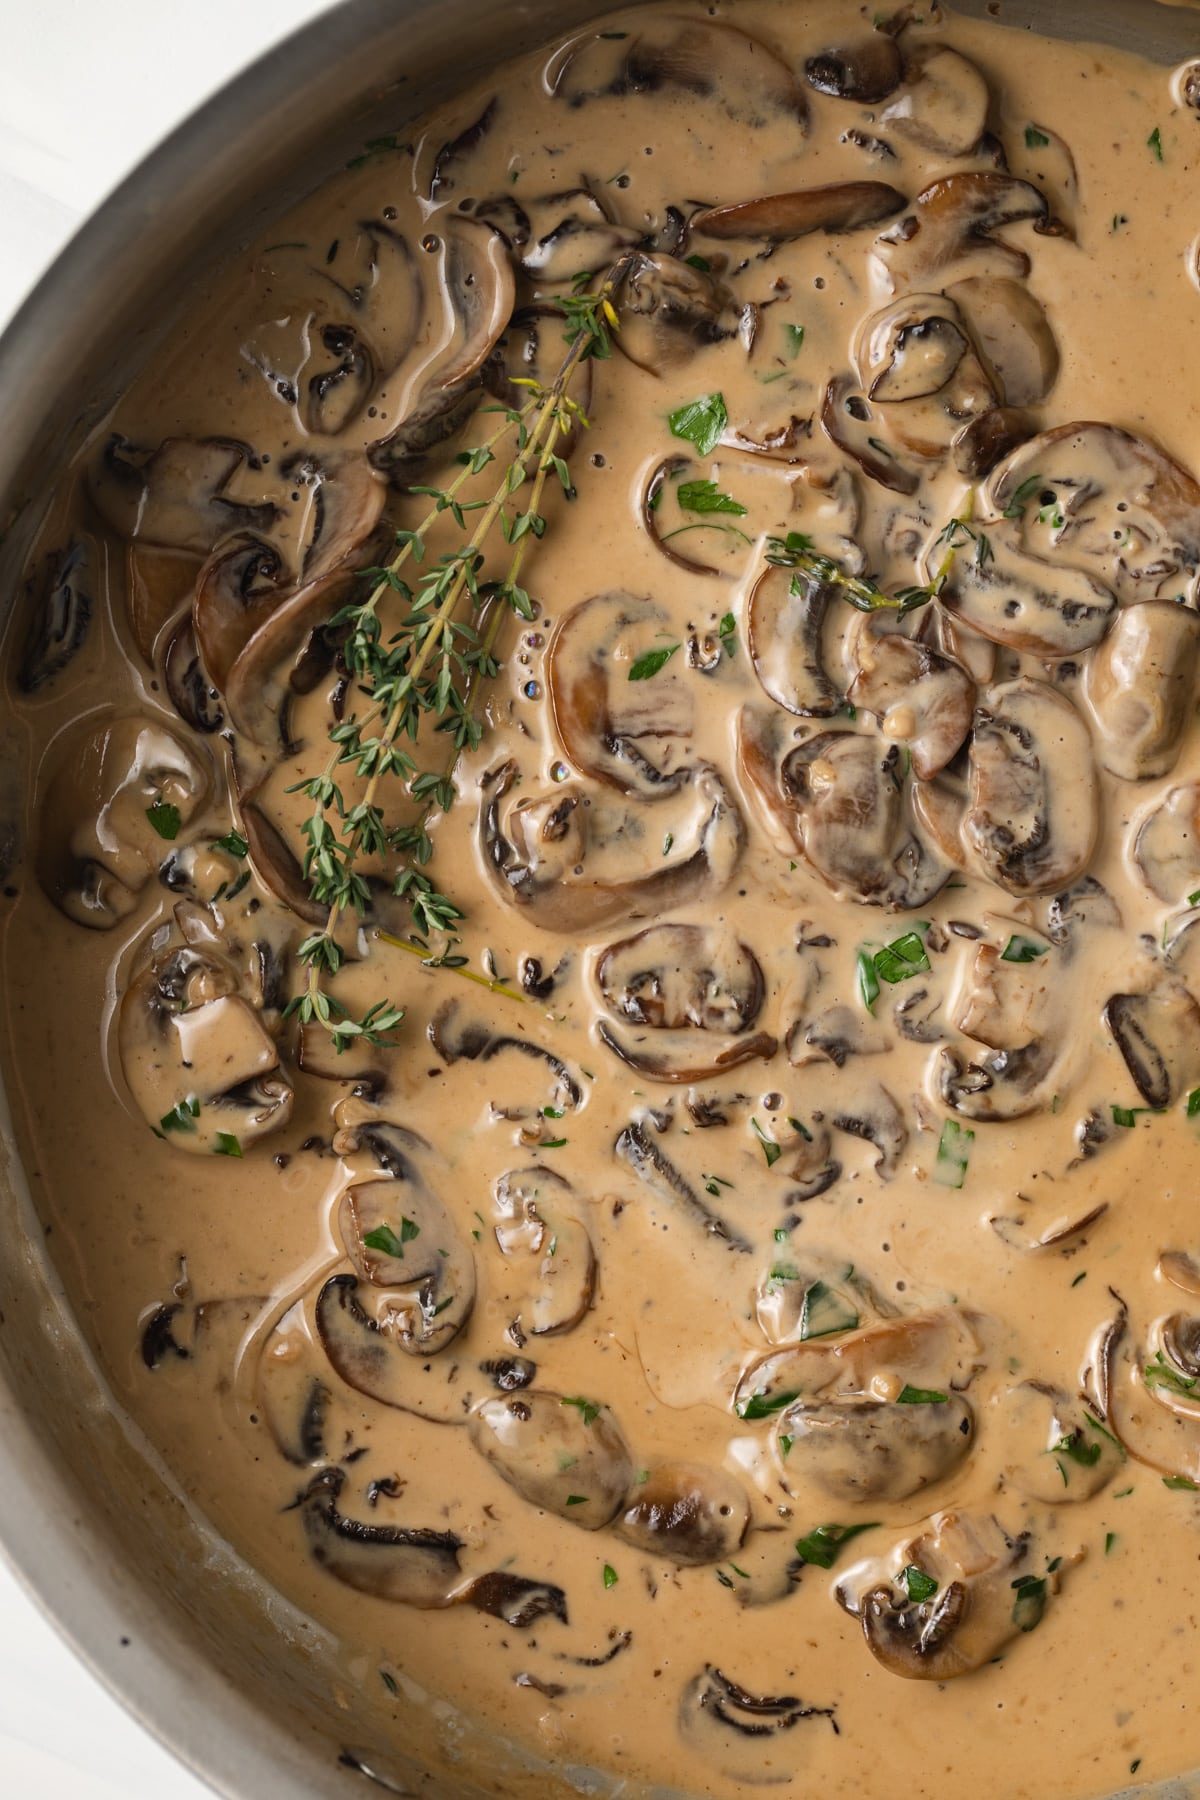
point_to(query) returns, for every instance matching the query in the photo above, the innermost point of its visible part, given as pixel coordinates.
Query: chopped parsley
(649, 665)
(576, 1499)
(899, 960)
(770, 1149)
(1022, 949)
(918, 1585)
(823, 1312)
(1126, 1116)
(165, 818)
(181, 1115)
(953, 1154)
(824, 1544)
(1022, 496)
(1035, 139)
(226, 1145)
(761, 1406)
(1030, 1601)
(385, 1239)
(701, 422)
(915, 1396)
(1181, 1481)
(727, 632)
(233, 843)
(794, 338)
(706, 497)
(589, 1410)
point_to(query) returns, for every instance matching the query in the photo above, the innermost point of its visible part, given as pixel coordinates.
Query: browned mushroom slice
(621, 698)
(1004, 1084)
(955, 218)
(262, 680)
(635, 1146)
(1086, 906)
(1051, 1446)
(201, 1069)
(860, 1449)
(875, 1117)
(550, 1272)
(866, 70)
(563, 1453)
(1153, 1393)
(695, 989)
(1001, 1000)
(1015, 598)
(174, 497)
(986, 439)
(687, 1513)
(1105, 501)
(785, 624)
(401, 1238)
(924, 1352)
(1166, 845)
(277, 866)
(1012, 334)
(1139, 684)
(668, 310)
(943, 104)
(1065, 1233)
(778, 218)
(59, 614)
(737, 1732)
(951, 636)
(851, 820)
(120, 793)
(1032, 815)
(984, 1594)
(362, 1347)
(855, 426)
(922, 700)
(713, 62)
(1158, 1035)
(910, 348)
(531, 348)
(570, 234)
(564, 855)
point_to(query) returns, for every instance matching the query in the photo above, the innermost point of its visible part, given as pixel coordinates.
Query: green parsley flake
(165, 818)
(706, 497)
(918, 1585)
(824, 1544)
(701, 422)
(647, 666)
(953, 1155)
(226, 1145)
(1022, 949)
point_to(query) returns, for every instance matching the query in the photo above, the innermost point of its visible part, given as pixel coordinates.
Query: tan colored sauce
(730, 1158)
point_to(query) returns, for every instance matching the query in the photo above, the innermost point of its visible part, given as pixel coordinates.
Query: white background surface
(86, 88)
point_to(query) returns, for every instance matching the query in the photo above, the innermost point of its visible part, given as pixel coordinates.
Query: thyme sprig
(431, 670)
(798, 551)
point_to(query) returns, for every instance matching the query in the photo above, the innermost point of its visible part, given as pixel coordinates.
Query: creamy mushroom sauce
(826, 1167)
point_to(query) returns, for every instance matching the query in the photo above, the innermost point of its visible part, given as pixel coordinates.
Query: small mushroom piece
(570, 234)
(922, 700)
(910, 348)
(392, 1562)
(548, 1251)
(988, 438)
(564, 856)
(717, 63)
(953, 219)
(851, 820)
(978, 1605)
(737, 1732)
(935, 1351)
(785, 627)
(359, 1336)
(1152, 1383)
(1107, 502)
(687, 1513)
(618, 725)
(1139, 684)
(866, 70)
(120, 793)
(1181, 1269)
(668, 310)
(1166, 844)
(1002, 1002)
(778, 218)
(860, 1449)
(1003, 1084)
(200, 1067)
(175, 497)
(1032, 811)
(943, 104)
(455, 1038)
(1021, 600)
(875, 1117)
(635, 1147)
(695, 988)
(1158, 1035)
(401, 1238)
(851, 423)
(60, 613)
(1012, 334)
(1053, 1449)
(562, 1453)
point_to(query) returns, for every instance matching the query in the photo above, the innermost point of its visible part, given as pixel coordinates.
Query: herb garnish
(1035, 139)
(953, 1154)
(706, 497)
(1160, 1373)
(1030, 1602)
(233, 843)
(589, 1410)
(915, 1396)
(761, 1406)
(384, 1238)
(181, 1115)
(1127, 1116)
(727, 632)
(610, 1576)
(1155, 143)
(227, 1145)
(1183, 1482)
(794, 338)
(165, 817)
(918, 1585)
(1022, 949)
(823, 1313)
(701, 422)
(770, 1149)
(824, 1544)
(648, 666)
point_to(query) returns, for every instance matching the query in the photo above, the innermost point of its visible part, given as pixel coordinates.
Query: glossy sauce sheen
(699, 1271)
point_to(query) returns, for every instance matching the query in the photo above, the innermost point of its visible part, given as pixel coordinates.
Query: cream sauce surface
(767, 1287)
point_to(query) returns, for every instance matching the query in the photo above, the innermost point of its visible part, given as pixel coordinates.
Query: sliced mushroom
(1021, 600)
(922, 700)
(120, 793)
(778, 218)
(1140, 683)
(866, 70)
(1012, 333)
(986, 439)
(60, 613)
(658, 1173)
(1003, 1084)
(785, 624)
(1032, 812)
(1152, 1379)
(737, 1732)
(713, 62)
(1106, 502)
(695, 989)
(1053, 1449)
(1166, 845)
(401, 1238)
(549, 1251)
(569, 234)
(910, 348)
(668, 310)
(455, 1038)
(1158, 1035)
(557, 855)
(953, 219)
(943, 104)
(934, 1352)
(562, 1453)
(175, 497)
(687, 1513)
(1065, 1233)
(860, 1449)
(978, 1605)
(201, 1069)
(875, 1117)
(1002, 1003)
(849, 421)
(364, 1347)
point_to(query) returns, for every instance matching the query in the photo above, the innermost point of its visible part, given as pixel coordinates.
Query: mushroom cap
(867, 69)
(778, 218)
(686, 1512)
(1139, 685)
(860, 1449)
(712, 62)
(563, 1454)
